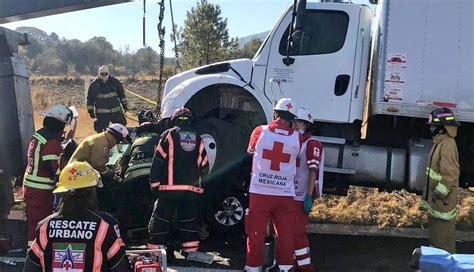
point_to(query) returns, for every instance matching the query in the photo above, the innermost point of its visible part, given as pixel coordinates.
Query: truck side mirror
(295, 34)
(298, 24)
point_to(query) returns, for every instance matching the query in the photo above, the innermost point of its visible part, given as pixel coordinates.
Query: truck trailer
(370, 79)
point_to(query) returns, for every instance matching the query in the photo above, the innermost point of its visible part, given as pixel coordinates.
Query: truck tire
(226, 150)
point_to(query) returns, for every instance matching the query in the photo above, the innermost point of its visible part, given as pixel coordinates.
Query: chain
(161, 35)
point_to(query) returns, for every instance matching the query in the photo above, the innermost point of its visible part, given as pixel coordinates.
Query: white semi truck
(369, 78)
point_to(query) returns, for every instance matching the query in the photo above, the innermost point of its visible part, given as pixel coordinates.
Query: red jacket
(45, 160)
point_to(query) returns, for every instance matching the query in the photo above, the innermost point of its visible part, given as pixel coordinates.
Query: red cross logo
(67, 265)
(73, 171)
(276, 156)
(289, 106)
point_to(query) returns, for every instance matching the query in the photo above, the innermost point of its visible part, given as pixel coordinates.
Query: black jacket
(180, 164)
(90, 241)
(106, 97)
(141, 155)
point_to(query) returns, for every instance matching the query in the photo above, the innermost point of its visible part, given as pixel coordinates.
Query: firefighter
(179, 165)
(78, 237)
(106, 100)
(275, 148)
(440, 195)
(45, 161)
(139, 196)
(308, 171)
(95, 150)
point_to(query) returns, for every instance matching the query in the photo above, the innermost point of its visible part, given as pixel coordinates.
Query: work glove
(91, 114)
(308, 203)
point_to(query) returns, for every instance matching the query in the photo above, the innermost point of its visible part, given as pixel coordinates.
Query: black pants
(103, 119)
(186, 223)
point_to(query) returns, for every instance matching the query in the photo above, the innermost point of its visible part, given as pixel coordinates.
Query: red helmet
(182, 114)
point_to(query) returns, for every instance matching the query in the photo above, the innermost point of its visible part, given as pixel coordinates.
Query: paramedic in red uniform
(275, 148)
(308, 173)
(179, 166)
(45, 161)
(78, 238)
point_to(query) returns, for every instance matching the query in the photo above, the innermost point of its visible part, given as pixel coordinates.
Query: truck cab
(363, 76)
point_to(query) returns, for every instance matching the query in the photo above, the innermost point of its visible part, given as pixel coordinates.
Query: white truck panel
(430, 43)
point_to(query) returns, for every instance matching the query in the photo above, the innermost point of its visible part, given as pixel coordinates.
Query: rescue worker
(136, 180)
(440, 195)
(106, 100)
(78, 237)
(179, 166)
(308, 174)
(95, 150)
(275, 148)
(45, 161)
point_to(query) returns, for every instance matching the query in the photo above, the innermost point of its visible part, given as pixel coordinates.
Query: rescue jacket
(45, 160)
(179, 164)
(141, 155)
(106, 97)
(95, 150)
(440, 195)
(89, 241)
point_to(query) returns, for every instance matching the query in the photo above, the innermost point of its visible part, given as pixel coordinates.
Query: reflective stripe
(304, 262)
(154, 184)
(201, 148)
(139, 166)
(180, 188)
(190, 249)
(161, 151)
(190, 244)
(433, 174)
(204, 161)
(170, 159)
(252, 269)
(114, 248)
(90, 107)
(441, 189)
(39, 253)
(448, 216)
(99, 239)
(38, 185)
(137, 172)
(285, 267)
(38, 179)
(50, 158)
(107, 95)
(302, 251)
(123, 100)
(43, 236)
(112, 110)
(40, 138)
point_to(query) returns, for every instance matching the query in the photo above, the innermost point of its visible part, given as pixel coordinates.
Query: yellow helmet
(77, 175)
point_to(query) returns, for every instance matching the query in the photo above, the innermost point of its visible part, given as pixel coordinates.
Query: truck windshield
(324, 33)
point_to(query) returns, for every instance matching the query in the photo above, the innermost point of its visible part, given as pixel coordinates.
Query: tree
(250, 48)
(205, 38)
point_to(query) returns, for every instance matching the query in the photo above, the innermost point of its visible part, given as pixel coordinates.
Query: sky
(122, 24)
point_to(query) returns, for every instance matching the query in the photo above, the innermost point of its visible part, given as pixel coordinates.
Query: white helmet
(120, 129)
(104, 73)
(304, 114)
(286, 104)
(58, 112)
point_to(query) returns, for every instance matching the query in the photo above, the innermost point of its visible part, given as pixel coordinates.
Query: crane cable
(161, 35)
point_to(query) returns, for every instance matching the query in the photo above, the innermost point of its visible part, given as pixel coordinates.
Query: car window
(324, 33)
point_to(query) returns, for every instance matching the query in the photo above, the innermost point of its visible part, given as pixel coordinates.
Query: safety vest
(141, 156)
(302, 170)
(274, 163)
(35, 176)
